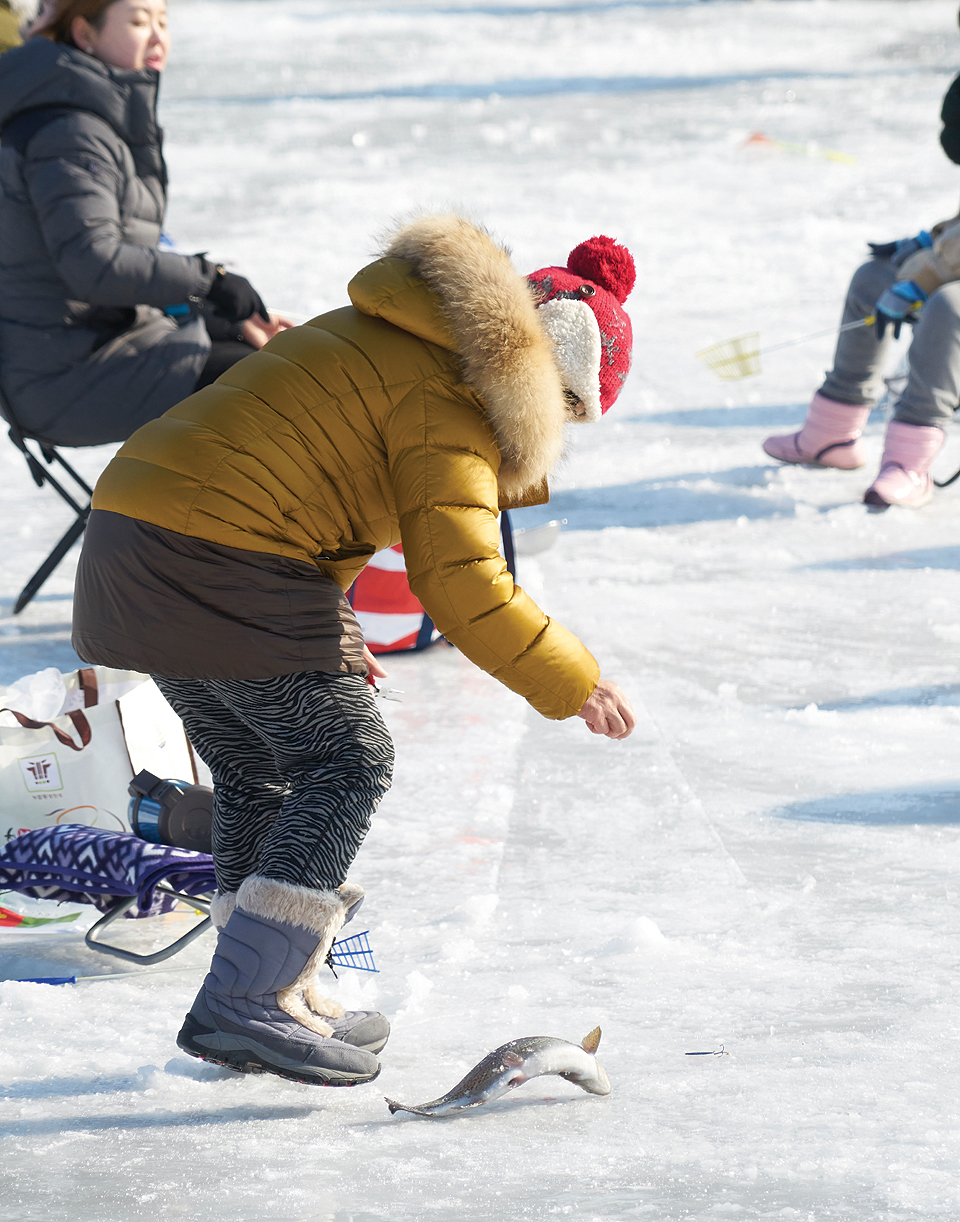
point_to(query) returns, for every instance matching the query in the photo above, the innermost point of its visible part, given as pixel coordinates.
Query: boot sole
(878, 505)
(814, 460)
(813, 464)
(247, 1061)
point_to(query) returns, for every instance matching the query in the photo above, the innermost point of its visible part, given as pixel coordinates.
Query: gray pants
(932, 392)
(60, 386)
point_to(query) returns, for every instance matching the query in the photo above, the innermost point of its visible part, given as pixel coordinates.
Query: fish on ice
(512, 1064)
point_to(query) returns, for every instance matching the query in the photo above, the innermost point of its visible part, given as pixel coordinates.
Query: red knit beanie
(580, 308)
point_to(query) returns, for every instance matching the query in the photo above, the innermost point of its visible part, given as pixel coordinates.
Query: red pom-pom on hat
(598, 277)
(606, 263)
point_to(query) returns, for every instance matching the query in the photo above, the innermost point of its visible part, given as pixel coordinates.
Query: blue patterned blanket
(85, 866)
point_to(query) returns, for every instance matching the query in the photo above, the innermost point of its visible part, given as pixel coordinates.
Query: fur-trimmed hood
(481, 308)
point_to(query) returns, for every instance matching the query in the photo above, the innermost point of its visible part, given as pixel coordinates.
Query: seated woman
(99, 330)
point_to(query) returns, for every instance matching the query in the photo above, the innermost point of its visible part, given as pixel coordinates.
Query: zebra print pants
(299, 762)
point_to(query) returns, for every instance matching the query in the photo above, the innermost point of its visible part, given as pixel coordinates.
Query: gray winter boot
(250, 1014)
(367, 1029)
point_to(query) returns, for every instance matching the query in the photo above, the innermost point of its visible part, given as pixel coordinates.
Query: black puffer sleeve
(950, 117)
(74, 172)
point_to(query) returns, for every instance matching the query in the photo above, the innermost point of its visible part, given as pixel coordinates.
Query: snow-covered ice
(770, 863)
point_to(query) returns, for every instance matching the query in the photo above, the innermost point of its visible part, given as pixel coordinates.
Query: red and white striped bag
(391, 618)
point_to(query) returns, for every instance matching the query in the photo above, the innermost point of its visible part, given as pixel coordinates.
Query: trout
(510, 1065)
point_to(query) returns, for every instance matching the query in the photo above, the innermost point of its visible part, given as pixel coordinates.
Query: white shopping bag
(69, 754)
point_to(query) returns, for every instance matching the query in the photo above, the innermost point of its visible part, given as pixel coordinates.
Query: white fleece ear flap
(573, 327)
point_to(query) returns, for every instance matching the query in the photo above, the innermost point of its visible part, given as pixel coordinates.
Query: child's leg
(248, 789)
(830, 436)
(331, 762)
(860, 357)
(915, 435)
(334, 758)
(932, 393)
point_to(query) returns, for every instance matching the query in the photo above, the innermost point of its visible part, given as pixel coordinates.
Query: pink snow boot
(830, 437)
(904, 477)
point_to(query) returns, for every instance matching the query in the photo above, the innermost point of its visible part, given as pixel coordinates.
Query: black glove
(900, 251)
(901, 303)
(220, 329)
(235, 298)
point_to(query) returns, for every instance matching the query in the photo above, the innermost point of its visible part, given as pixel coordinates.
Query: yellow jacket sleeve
(443, 467)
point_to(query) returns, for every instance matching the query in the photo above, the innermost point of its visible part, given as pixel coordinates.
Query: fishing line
(732, 864)
(737, 358)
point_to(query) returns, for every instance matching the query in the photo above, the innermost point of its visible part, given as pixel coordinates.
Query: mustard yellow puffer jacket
(411, 416)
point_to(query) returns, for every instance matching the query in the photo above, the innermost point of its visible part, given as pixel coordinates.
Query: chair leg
(53, 456)
(43, 475)
(167, 952)
(51, 562)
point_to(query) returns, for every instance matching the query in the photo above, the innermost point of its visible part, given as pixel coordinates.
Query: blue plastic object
(901, 298)
(171, 812)
(144, 815)
(353, 952)
(899, 303)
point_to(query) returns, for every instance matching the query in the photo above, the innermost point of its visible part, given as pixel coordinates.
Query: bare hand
(256, 332)
(608, 711)
(374, 669)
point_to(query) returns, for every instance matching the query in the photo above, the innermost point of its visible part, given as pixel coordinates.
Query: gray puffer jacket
(87, 353)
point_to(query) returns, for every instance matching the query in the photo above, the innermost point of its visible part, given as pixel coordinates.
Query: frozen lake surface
(770, 863)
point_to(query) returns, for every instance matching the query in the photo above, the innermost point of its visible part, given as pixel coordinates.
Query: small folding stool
(117, 873)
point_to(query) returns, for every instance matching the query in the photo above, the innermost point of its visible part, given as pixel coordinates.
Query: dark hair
(59, 29)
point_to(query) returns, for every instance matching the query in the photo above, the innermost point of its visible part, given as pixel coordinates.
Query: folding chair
(119, 874)
(122, 875)
(42, 475)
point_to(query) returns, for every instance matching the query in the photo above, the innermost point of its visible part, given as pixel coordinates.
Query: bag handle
(81, 725)
(87, 681)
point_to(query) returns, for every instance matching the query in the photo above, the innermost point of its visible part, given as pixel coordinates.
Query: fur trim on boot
(323, 913)
(318, 1003)
(365, 1029)
(830, 437)
(249, 1014)
(221, 908)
